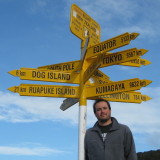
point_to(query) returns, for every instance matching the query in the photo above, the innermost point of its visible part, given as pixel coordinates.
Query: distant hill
(150, 155)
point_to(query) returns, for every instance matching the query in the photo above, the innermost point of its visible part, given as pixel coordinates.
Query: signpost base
(82, 131)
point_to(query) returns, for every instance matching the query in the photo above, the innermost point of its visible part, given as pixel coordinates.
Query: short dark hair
(100, 100)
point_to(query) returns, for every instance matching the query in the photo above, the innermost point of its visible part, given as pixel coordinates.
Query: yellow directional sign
(123, 56)
(82, 25)
(111, 44)
(65, 67)
(110, 59)
(46, 90)
(46, 75)
(98, 81)
(136, 62)
(100, 78)
(94, 65)
(116, 87)
(128, 97)
(100, 74)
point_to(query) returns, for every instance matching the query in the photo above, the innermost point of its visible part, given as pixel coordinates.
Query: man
(108, 139)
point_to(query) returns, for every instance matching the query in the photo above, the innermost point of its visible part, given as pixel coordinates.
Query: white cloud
(15, 108)
(142, 118)
(37, 151)
(115, 8)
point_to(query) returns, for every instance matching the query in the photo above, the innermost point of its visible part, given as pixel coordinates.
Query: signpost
(46, 75)
(138, 62)
(46, 90)
(128, 97)
(115, 87)
(94, 55)
(82, 25)
(113, 43)
(100, 74)
(65, 67)
(123, 56)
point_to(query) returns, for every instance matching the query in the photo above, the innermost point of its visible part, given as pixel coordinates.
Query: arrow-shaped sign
(111, 44)
(46, 90)
(123, 56)
(54, 76)
(128, 97)
(65, 67)
(100, 74)
(116, 87)
(98, 81)
(100, 78)
(46, 75)
(68, 102)
(138, 62)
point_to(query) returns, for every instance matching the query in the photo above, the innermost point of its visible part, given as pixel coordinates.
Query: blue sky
(36, 33)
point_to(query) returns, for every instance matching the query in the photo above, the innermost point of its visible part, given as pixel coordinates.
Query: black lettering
(79, 17)
(67, 67)
(22, 73)
(104, 46)
(38, 74)
(86, 17)
(125, 38)
(112, 58)
(142, 62)
(120, 96)
(137, 97)
(50, 75)
(134, 84)
(143, 98)
(65, 91)
(110, 88)
(22, 89)
(41, 90)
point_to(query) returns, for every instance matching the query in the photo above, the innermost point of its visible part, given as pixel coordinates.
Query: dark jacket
(119, 143)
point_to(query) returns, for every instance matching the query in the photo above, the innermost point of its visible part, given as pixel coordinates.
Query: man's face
(103, 113)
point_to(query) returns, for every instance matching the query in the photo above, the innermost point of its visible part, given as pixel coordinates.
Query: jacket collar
(115, 125)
